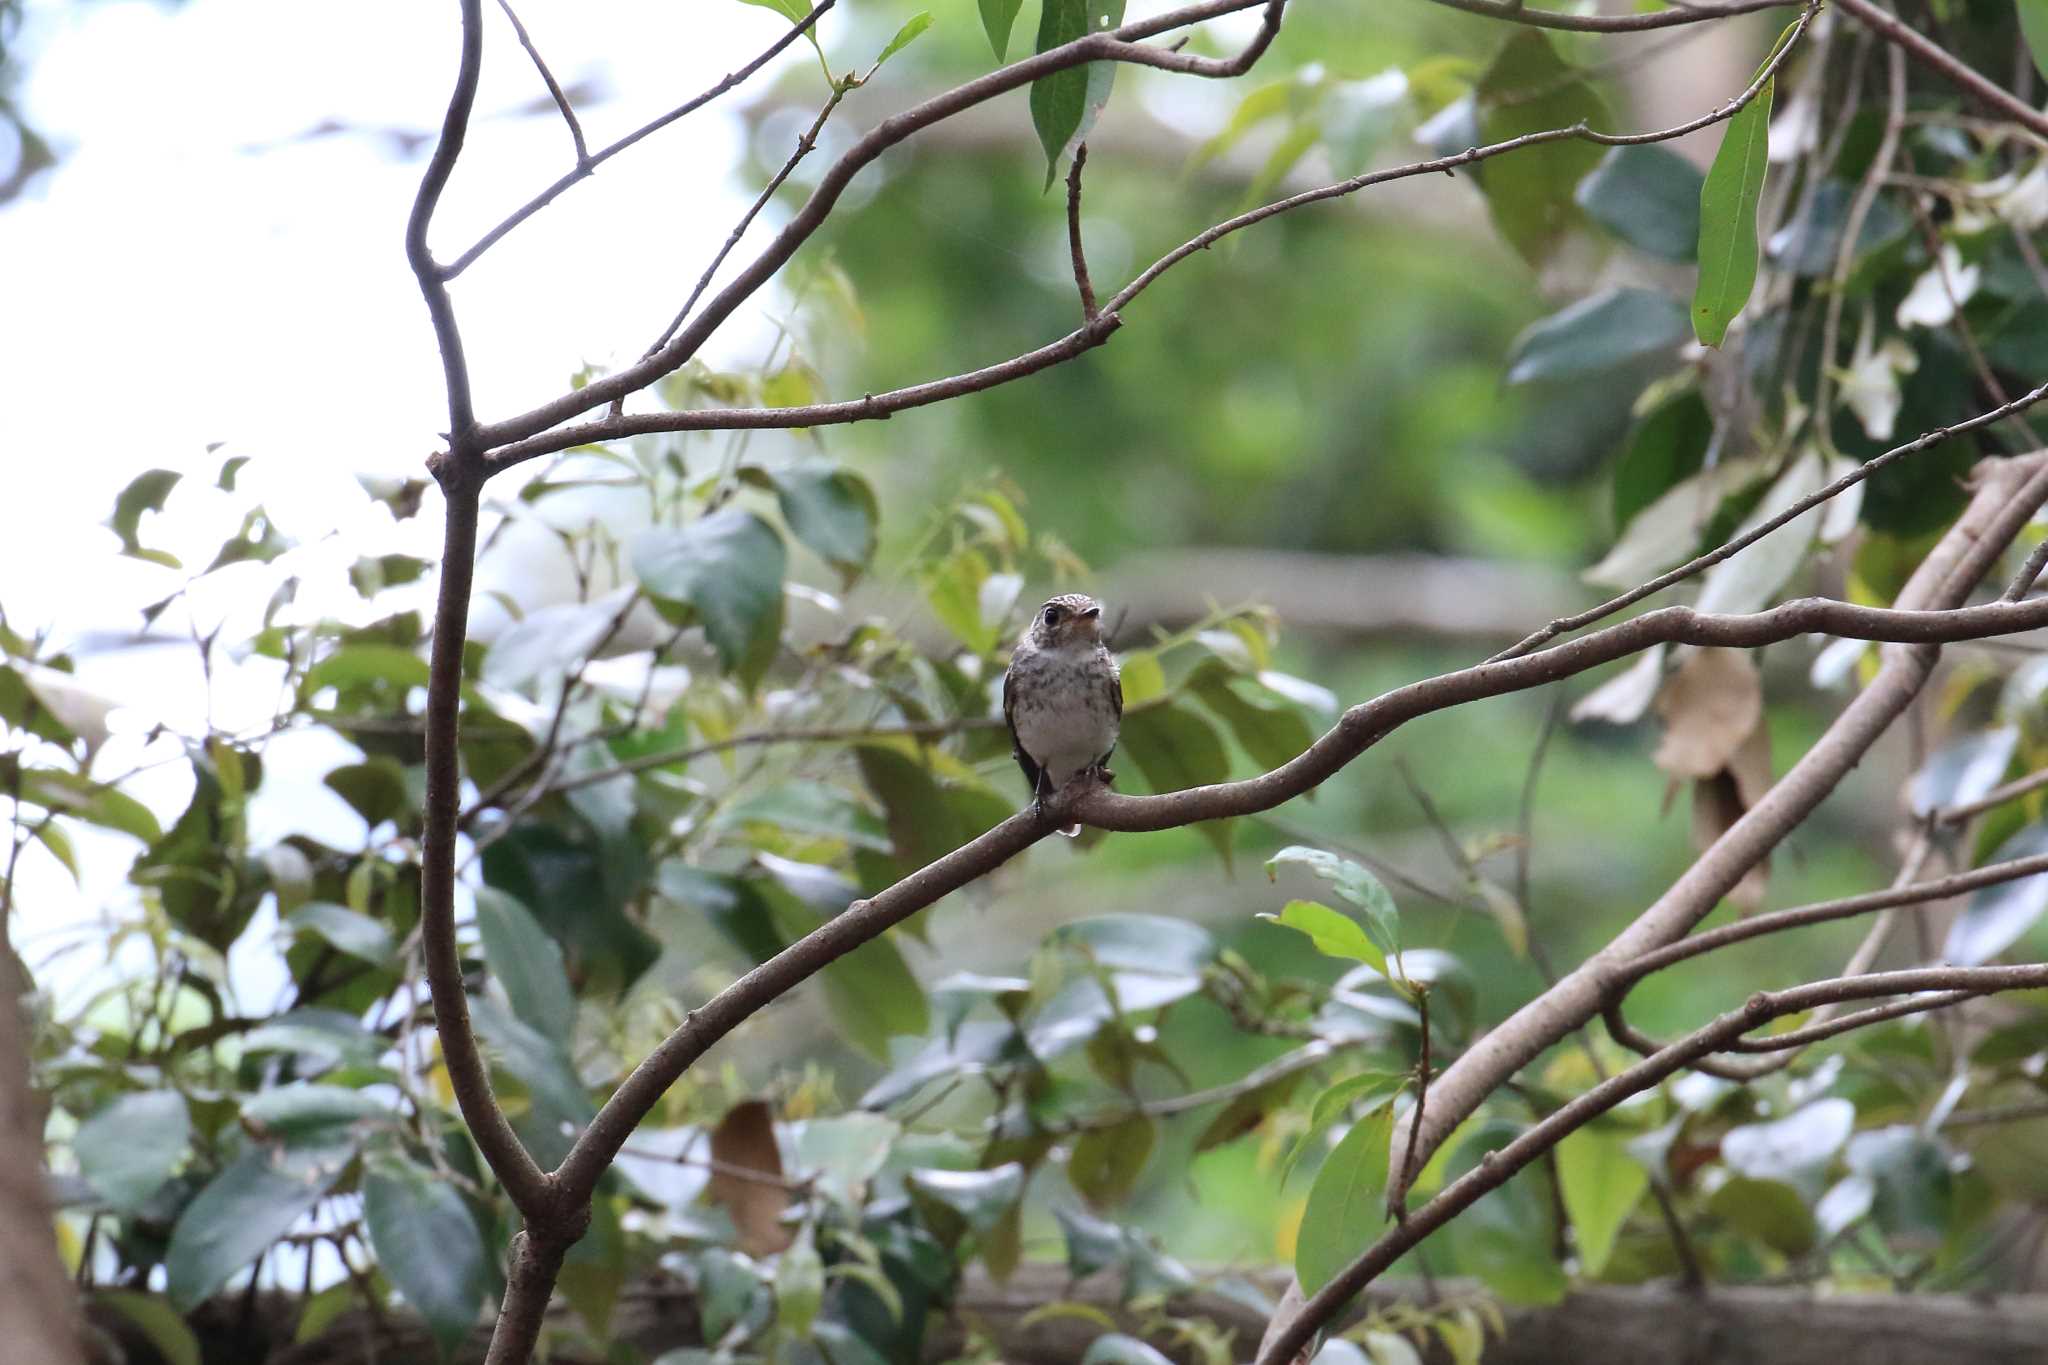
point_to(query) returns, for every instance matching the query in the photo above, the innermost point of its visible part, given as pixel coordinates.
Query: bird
(1063, 698)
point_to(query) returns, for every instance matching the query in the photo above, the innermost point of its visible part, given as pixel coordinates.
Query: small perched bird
(1062, 698)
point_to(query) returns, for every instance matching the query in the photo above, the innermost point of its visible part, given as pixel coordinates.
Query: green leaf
(1601, 1186)
(905, 36)
(1601, 332)
(540, 1063)
(375, 789)
(527, 963)
(429, 1245)
(1667, 447)
(792, 10)
(146, 492)
(1106, 1162)
(1998, 916)
(1143, 678)
(1114, 1348)
(312, 1118)
(1769, 1210)
(1334, 933)
(96, 803)
(1175, 748)
(350, 931)
(1346, 1205)
(158, 1322)
(1648, 197)
(2034, 28)
(1527, 89)
(1272, 734)
(978, 1198)
(829, 508)
(1064, 103)
(1794, 1148)
(127, 1150)
(1370, 1090)
(923, 827)
(875, 996)
(727, 568)
(1151, 960)
(1728, 205)
(799, 1285)
(1355, 884)
(252, 1202)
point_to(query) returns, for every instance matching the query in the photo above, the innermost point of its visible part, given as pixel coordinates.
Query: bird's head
(1067, 620)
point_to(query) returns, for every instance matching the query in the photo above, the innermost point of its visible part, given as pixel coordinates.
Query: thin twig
(1082, 283)
(1931, 55)
(561, 100)
(804, 145)
(1397, 1190)
(1997, 796)
(588, 164)
(1513, 12)
(1740, 543)
(1814, 1033)
(530, 435)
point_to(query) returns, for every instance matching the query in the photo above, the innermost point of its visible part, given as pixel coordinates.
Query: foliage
(773, 692)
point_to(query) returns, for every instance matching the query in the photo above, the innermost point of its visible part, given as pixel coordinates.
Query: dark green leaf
(1601, 332)
(1728, 205)
(253, 1201)
(1272, 734)
(1347, 1203)
(1648, 197)
(1769, 1210)
(376, 789)
(1997, 916)
(1247, 1112)
(830, 508)
(160, 1323)
(1527, 89)
(1063, 103)
(1667, 447)
(540, 1063)
(875, 996)
(429, 1245)
(308, 1116)
(998, 17)
(128, 1149)
(1107, 1162)
(146, 492)
(1151, 960)
(978, 1198)
(923, 827)
(1809, 245)
(735, 906)
(727, 568)
(2034, 28)
(1175, 749)
(351, 931)
(1793, 1148)
(1507, 1237)
(527, 963)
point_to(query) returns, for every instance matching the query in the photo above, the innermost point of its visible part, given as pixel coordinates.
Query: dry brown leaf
(747, 1180)
(1719, 801)
(1709, 707)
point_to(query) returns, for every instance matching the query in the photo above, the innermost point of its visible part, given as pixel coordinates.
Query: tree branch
(432, 279)
(1111, 46)
(1511, 11)
(1082, 284)
(2007, 494)
(548, 77)
(1937, 59)
(1287, 1339)
(586, 165)
(523, 438)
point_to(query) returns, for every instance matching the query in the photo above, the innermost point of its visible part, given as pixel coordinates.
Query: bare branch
(2007, 494)
(1287, 1338)
(804, 145)
(525, 437)
(1784, 518)
(1997, 796)
(1814, 1033)
(1311, 1054)
(1512, 11)
(432, 279)
(1935, 58)
(547, 76)
(585, 165)
(1082, 283)
(1117, 45)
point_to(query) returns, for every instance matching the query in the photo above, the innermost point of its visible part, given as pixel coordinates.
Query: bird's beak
(1093, 616)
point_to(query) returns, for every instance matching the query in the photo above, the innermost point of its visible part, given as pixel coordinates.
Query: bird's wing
(1116, 690)
(1024, 760)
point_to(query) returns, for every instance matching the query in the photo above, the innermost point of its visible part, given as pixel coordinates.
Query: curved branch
(432, 280)
(1287, 1339)
(1511, 11)
(1116, 45)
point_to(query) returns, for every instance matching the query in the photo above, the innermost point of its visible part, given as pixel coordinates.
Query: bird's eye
(1052, 616)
